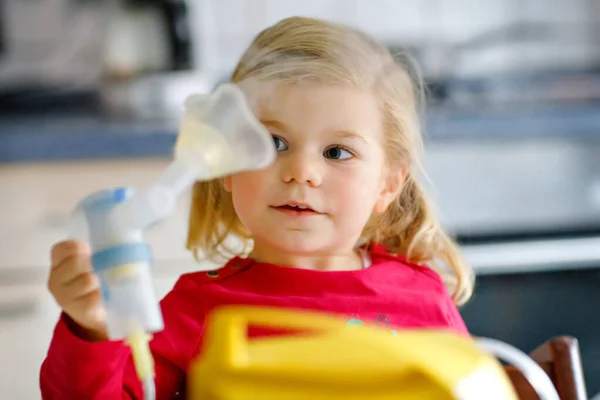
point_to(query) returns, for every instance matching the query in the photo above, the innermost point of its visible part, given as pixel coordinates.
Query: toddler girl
(337, 223)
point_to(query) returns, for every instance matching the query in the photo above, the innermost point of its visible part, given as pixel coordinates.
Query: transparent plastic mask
(219, 135)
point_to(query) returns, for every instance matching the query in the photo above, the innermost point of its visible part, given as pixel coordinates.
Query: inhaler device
(219, 135)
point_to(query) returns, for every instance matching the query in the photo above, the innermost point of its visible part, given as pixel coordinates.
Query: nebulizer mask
(219, 135)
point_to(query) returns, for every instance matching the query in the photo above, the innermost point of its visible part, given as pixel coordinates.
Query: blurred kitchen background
(91, 92)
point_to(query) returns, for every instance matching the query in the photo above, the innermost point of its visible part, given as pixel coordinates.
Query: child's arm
(78, 369)
(82, 363)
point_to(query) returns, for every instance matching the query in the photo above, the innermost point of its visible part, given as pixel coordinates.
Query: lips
(296, 209)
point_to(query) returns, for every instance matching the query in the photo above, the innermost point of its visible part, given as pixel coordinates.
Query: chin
(299, 244)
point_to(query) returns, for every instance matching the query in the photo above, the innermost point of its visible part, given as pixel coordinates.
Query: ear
(391, 187)
(227, 183)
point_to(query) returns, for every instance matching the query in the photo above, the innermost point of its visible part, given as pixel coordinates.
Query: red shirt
(391, 291)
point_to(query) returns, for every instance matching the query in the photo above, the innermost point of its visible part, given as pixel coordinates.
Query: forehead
(320, 107)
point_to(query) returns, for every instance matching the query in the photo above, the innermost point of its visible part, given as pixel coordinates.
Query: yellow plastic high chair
(330, 360)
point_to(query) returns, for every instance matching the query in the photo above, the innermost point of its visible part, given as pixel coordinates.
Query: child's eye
(337, 153)
(279, 144)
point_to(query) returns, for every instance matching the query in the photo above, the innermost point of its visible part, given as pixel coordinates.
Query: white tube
(149, 388)
(142, 210)
(180, 175)
(530, 370)
(157, 202)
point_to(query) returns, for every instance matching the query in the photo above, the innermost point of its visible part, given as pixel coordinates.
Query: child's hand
(76, 289)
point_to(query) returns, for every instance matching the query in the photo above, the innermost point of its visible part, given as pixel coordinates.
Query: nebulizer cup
(219, 135)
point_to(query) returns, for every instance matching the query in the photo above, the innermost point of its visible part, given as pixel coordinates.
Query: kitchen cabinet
(24, 341)
(528, 308)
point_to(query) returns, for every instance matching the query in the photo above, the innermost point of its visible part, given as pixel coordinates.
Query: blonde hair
(301, 49)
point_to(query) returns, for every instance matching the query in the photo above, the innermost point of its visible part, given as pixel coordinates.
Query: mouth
(296, 209)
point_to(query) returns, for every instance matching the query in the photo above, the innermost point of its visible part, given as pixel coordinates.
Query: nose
(302, 167)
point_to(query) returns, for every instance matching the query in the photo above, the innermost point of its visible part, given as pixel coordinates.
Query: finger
(83, 285)
(90, 306)
(71, 269)
(66, 249)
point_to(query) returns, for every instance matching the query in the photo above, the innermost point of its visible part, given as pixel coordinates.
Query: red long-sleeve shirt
(391, 291)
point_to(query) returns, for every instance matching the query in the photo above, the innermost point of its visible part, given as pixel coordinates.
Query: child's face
(330, 159)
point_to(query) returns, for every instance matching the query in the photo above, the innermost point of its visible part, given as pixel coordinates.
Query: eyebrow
(274, 123)
(351, 135)
(340, 134)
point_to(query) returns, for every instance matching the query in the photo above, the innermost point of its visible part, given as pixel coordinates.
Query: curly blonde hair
(302, 49)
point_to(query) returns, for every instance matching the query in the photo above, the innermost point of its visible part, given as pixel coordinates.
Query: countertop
(39, 138)
(62, 138)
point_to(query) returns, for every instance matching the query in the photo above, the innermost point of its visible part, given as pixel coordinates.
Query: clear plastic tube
(158, 201)
(149, 388)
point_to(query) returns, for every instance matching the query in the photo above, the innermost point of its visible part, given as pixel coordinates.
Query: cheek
(247, 189)
(242, 185)
(357, 189)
